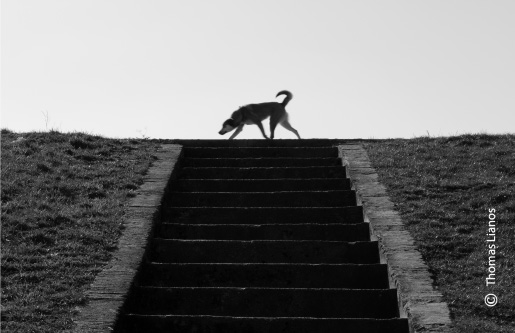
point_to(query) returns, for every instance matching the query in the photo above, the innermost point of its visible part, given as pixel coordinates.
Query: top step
(263, 143)
(253, 152)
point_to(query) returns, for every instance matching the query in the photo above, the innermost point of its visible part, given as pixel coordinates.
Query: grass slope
(63, 199)
(443, 188)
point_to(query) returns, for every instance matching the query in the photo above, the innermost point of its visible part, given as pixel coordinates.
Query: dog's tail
(288, 98)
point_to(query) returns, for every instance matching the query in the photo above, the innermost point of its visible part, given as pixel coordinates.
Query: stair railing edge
(418, 300)
(111, 287)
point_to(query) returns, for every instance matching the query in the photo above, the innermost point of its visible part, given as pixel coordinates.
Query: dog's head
(235, 120)
(228, 126)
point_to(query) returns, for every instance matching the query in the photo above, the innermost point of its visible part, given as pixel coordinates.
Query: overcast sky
(177, 69)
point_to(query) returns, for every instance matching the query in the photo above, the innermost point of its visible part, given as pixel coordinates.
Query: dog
(256, 113)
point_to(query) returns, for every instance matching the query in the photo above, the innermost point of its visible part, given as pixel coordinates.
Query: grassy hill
(63, 199)
(444, 189)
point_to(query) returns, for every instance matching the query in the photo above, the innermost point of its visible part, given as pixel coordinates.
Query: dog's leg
(238, 130)
(260, 125)
(273, 125)
(287, 125)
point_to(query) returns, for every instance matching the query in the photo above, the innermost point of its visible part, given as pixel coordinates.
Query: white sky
(177, 69)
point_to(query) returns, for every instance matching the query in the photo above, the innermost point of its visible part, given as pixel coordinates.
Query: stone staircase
(261, 236)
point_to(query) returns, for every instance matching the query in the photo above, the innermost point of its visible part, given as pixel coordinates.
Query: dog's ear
(229, 122)
(237, 116)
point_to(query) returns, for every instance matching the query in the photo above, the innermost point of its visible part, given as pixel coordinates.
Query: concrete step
(265, 302)
(372, 276)
(261, 236)
(262, 172)
(262, 143)
(259, 215)
(235, 152)
(261, 162)
(260, 185)
(263, 251)
(133, 323)
(308, 231)
(264, 199)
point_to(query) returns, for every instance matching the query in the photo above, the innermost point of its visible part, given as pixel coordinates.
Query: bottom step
(213, 324)
(265, 302)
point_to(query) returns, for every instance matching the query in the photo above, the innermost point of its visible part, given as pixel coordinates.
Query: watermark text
(491, 299)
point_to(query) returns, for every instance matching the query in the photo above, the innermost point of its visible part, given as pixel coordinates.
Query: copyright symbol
(490, 300)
